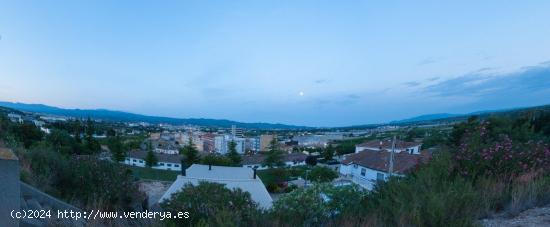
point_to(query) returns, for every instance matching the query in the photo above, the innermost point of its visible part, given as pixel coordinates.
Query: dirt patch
(154, 190)
(539, 216)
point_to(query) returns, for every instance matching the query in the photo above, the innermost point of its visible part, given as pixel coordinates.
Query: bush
(212, 204)
(322, 174)
(315, 205)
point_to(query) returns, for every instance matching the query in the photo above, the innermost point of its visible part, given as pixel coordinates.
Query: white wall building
(165, 161)
(368, 167)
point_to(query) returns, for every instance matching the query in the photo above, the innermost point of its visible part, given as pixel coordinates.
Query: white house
(165, 161)
(386, 145)
(368, 167)
(256, 161)
(232, 177)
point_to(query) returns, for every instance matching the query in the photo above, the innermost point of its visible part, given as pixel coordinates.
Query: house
(232, 177)
(368, 167)
(15, 118)
(165, 161)
(291, 159)
(386, 145)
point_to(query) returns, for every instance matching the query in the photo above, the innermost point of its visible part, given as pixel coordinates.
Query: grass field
(154, 174)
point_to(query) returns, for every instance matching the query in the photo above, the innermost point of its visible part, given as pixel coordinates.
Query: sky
(311, 63)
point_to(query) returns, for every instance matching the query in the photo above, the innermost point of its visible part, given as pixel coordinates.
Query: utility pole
(390, 170)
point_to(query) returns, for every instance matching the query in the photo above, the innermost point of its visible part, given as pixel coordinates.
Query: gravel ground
(154, 189)
(539, 216)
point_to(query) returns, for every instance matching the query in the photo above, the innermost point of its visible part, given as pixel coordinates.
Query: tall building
(264, 142)
(236, 132)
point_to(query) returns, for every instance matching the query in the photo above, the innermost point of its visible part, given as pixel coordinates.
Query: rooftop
(231, 177)
(379, 160)
(387, 144)
(141, 154)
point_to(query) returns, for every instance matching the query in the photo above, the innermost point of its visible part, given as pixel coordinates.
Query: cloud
(527, 80)
(433, 79)
(412, 84)
(320, 81)
(428, 61)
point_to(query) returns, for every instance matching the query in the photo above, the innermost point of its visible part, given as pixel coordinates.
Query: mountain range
(111, 115)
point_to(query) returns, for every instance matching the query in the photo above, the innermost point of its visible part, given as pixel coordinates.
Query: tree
(311, 160)
(77, 130)
(91, 144)
(217, 160)
(118, 150)
(316, 205)
(322, 174)
(274, 156)
(151, 159)
(191, 153)
(233, 155)
(329, 153)
(212, 204)
(62, 142)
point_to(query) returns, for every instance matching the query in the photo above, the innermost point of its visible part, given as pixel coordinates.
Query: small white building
(165, 161)
(386, 145)
(368, 167)
(232, 177)
(290, 160)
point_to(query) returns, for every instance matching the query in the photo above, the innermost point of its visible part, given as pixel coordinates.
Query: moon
(301, 93)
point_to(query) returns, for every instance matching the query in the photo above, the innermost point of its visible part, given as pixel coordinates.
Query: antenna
(390, 170)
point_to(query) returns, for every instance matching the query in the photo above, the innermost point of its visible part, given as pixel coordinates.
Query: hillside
(111, 115)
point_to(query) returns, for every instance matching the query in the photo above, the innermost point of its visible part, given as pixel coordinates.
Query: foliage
(487, 148)
(216, 160)
(274, 156)
(62, 142)
(118, 149)
(27, 133)
(150, 159)
(233, 155)
(92, 145)
(212, 204)
(322, 174)
(316, 205)
(328, 153)
(431, 197)
(81, 180)
(191, 153)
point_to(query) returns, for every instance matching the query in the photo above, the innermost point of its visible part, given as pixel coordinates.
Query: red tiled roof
(379, 160)
(386, 144)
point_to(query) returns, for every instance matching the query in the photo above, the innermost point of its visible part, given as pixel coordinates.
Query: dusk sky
(313, 63)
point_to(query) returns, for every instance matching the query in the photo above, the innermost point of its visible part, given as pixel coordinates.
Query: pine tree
(150, 159)
(329, 153)
(91, 144)
(233, 155)
(191, 153)
(274, 156)
(77, 129)
(118, 150)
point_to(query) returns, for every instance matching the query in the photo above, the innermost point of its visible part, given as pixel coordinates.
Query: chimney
(183, 168)
(209, 166)
(254, 173)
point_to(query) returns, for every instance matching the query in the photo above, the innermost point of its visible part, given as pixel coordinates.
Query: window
(140, 161)
(363, 171)
(168, 164)
(161, 164)
(176, 165)
(133, 160)
(380, 176)
(355, 166)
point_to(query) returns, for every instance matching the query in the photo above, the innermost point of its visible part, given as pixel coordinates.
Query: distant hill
(111, 115)
(427, 117)
(446, 117)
